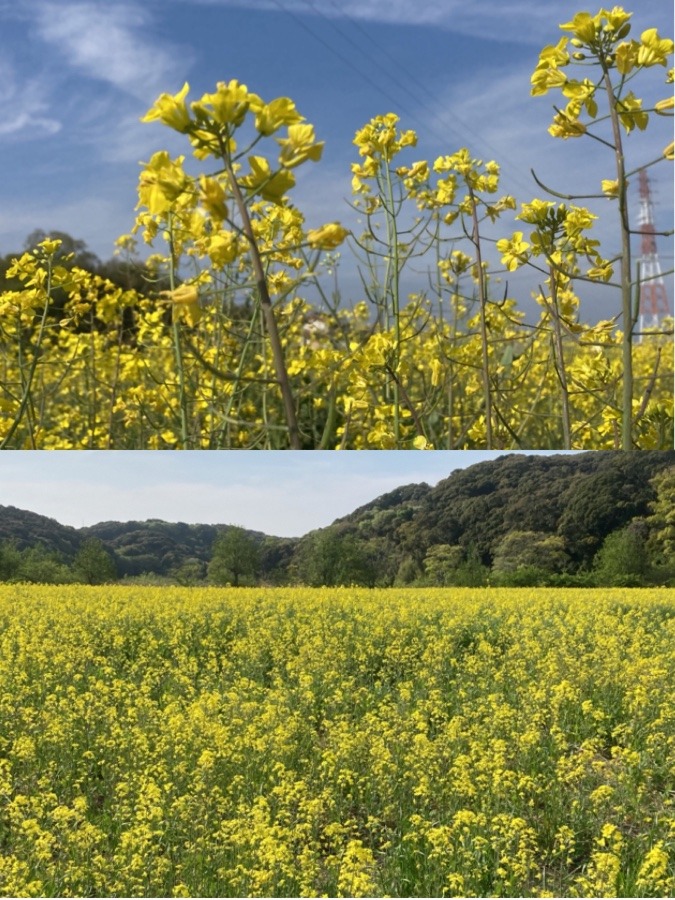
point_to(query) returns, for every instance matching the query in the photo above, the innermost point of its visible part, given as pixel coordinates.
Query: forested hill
(561, 508)
(579, 498)
(152, 546)
(156, 546)
(27, 529)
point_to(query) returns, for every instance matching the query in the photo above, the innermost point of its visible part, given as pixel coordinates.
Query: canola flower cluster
(299, 742)
(228, 352)
(86, 382)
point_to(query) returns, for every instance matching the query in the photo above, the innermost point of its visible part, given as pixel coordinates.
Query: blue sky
(286, 493)
(76, 76)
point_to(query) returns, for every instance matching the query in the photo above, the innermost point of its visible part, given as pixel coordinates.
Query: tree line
(640, 553)
(582, 519)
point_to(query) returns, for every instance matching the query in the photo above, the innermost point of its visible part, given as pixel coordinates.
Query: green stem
(266, 304)
(487, 391)
(177, 346)
(560, 362)
(626, 306)
(392, 239)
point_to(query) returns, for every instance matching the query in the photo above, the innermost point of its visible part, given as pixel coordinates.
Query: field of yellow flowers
(297, 742)
(250, 344)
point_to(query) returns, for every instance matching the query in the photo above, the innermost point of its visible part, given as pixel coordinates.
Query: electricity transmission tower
(653, 298)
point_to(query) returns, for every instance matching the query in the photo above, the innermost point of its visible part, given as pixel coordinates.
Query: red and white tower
(653, 298)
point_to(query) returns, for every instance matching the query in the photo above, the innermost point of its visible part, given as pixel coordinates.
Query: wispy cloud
(111, 42)
(96, 65)
(22, 107)
(521, 21)
(488, 21)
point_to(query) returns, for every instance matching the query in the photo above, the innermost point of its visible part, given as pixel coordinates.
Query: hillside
(152, 547)
(26, 529)
(581, 498)
(578, 500)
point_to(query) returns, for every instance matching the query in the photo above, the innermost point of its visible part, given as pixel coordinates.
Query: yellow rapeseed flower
(171, 110)
(513, 250)
(653, 50)
(273, 115)
(610, 187)
(263, 181)
(328, 236)
(227, 105)
(185, 300)
(300, 145)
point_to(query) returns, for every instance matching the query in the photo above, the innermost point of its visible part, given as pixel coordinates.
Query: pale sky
(284, 493)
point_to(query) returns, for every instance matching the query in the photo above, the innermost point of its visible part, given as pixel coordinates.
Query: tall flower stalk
(213, 124)
(601, 42)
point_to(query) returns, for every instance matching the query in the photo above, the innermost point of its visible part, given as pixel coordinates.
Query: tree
(407, 572)
(329, 558)
(235, 556)
(441, 562)
(39, 566)
(608, 499)
(10, 560)
(530, 549)
(472, 572)
(276, 556)
(93, 564)
(190, 572)
(356, 564)
(661, 524)
(622, 560)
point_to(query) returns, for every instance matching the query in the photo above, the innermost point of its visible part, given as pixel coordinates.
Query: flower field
(297, 742)
(238, 336)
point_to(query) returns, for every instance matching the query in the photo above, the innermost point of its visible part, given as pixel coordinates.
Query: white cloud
(489, 20)
(22, 107)
(111, 43)
(518, 21)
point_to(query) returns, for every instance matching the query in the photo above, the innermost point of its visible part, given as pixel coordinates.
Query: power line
(363, 74)
(419, 84)
(507, 163)
(392, 77)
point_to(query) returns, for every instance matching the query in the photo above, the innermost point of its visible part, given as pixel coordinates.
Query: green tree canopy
(523, 549)
(661, 541)
(10, 560)
(441, 561)
(40, 566)
(235, 557)
(93, 564)
(622, 560)
(331, 558)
